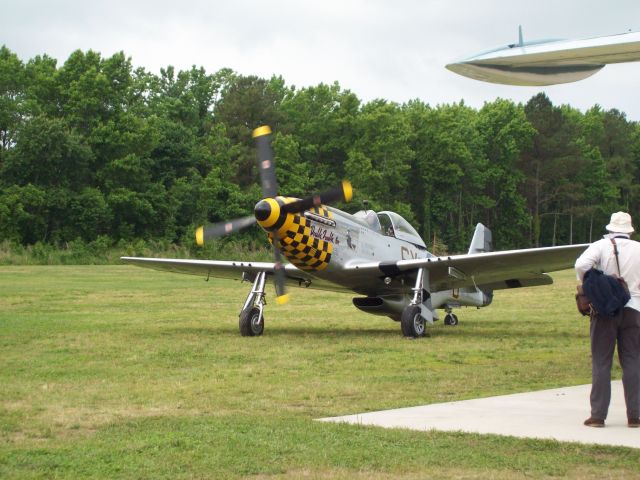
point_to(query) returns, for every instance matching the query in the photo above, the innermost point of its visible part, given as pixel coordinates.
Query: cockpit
(390, 224)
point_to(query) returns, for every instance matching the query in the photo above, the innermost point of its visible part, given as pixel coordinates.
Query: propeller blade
(215, 230)
(279, 276)
(268, 181)
(343, 193)
(269, 184)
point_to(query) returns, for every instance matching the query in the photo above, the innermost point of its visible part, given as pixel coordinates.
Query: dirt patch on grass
(65, 422)
(435, 473)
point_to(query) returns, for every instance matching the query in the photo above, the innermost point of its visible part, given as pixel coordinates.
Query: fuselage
(325, 241)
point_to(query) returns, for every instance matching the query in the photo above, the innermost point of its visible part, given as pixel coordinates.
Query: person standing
(622, 328)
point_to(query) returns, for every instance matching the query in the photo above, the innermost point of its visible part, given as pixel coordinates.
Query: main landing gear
(416, 315)
(251, 317)
(413, 321)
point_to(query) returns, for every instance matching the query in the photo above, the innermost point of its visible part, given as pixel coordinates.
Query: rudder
(482, 240)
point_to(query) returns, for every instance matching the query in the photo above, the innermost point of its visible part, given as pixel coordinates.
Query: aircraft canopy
(396, 226)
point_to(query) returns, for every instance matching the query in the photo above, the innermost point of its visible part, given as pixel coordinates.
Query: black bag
(607, 294)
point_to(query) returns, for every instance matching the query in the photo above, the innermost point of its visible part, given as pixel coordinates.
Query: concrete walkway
(552, 414)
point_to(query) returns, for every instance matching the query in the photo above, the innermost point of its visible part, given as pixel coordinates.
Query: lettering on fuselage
(323, 234)
(407, 254)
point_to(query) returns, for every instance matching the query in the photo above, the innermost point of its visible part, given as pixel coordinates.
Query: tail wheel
(251, 322)
(451, 319)
(412, 323)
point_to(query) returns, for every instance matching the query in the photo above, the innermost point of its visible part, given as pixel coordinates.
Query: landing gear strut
(413, 323)
(251, 317)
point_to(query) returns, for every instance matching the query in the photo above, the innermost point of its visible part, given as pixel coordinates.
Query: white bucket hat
(620, 223)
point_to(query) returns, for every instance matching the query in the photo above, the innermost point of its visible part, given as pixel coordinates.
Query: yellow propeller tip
(260, 131)
(200, 236)
(282, 299)
(347, 190)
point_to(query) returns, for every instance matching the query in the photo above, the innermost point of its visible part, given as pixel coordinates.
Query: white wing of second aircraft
(549, 62)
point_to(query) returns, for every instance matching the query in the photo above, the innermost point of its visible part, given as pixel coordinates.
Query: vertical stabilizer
(482, 240)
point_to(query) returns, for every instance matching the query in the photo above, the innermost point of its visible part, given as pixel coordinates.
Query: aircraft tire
(451, 319)
(250, 324)
(412, 323)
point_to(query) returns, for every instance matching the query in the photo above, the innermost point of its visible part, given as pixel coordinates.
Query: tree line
(95, 148)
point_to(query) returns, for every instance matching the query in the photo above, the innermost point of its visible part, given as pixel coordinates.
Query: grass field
(119, 372)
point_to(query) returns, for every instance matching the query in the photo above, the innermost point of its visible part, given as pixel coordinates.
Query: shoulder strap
(615, 251)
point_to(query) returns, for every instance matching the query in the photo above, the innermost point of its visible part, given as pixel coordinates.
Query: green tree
(506, 132)
(321, 121)
(188, 97)
(92, 90)
(447, 179)
(23, 214)
(95, 147)
(12, 108)
(48, 154)
(551, 166)
(247, 103)
(89, 215)
(42, 91)
(380, 158)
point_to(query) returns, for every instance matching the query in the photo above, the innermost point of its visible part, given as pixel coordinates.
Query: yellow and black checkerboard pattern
(297, 243)
(299, 246)
(303, 250)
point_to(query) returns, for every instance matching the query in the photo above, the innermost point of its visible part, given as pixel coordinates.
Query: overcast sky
(392, 49)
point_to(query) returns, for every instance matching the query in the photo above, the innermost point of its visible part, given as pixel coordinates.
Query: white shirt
(600, 255)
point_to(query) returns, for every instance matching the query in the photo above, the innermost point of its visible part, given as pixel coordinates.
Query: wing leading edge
(231, 270)
(491, 270)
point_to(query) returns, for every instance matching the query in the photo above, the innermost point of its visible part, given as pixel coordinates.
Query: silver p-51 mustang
(378, 256)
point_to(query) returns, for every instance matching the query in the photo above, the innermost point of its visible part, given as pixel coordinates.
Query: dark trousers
(624, 329)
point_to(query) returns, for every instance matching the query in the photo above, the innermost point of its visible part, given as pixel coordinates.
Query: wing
(591, 51)
(549, 62)
(491, 270)
(232, 270)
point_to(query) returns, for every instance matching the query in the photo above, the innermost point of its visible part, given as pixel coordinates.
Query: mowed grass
(121, 372)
